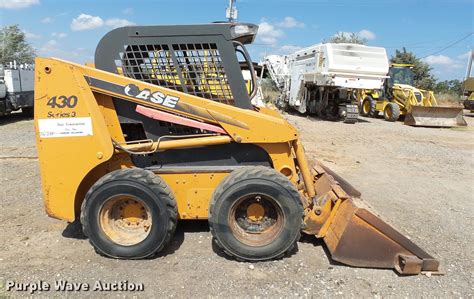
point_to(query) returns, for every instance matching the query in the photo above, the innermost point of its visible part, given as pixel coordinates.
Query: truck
(322, 79)
(16, 88)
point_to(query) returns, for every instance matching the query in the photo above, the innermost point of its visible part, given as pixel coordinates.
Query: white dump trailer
(16, 88)
(323, 78)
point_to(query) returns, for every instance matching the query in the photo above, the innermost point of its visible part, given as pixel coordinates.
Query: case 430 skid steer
(161, 129)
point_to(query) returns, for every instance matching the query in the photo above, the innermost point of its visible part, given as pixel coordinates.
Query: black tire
(27, 111)
(368, 107)
(150, 190)
(270, 185)
(391, 112)
(469, 105)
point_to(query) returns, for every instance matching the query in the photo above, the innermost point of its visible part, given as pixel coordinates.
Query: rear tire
(368, 107)
(129, 214)
(391, 112)
(256, 214)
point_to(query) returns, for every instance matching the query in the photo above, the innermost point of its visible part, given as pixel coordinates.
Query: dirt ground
(420, 179)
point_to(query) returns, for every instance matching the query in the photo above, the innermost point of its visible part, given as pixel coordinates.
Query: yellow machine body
(419, 106)
(468, 85)
(78, 133)
(99, 148)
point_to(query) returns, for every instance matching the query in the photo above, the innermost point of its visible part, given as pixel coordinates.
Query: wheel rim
(366, 107)
(388, 112)
(256, 220)
(125, 220)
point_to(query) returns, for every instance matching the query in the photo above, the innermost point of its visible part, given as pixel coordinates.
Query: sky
(439, 31)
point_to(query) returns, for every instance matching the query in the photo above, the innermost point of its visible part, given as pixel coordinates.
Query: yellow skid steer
(162, 129)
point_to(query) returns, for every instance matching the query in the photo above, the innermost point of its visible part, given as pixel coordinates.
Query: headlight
(245, 33)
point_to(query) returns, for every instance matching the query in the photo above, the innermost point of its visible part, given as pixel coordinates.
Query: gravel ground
(420, 179)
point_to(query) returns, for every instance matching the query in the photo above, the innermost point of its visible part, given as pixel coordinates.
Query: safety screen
(195, 69)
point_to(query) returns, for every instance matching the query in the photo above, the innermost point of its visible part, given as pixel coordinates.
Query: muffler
(435, 117)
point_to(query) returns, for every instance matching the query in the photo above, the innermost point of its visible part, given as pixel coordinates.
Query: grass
(448, 99)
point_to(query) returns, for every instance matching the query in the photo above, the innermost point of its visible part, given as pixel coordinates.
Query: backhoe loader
(399, 97)
(468, 85)
(162, 129)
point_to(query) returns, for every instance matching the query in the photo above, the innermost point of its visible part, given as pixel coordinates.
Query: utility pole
(231, 11)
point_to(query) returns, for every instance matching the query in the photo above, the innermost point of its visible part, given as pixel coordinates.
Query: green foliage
(421, 70)
(449, 86)
(344, 37)
(13, 46)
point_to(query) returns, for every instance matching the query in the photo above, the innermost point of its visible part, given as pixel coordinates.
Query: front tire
(368, 107)
(391, 112)
(129, 214)
(256, 214)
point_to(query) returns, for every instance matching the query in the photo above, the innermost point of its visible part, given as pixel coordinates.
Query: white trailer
(322, 79)
(16, 88)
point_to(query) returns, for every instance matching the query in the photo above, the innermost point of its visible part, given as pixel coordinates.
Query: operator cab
(202, 60)
(400, 74)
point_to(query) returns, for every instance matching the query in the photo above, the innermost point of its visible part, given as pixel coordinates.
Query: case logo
(156, 97)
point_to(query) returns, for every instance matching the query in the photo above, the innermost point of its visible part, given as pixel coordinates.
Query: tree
(13, 46)
(421, 70)
(344, 37)
(449, 86)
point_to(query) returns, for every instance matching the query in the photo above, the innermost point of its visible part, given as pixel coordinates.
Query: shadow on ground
(13, 118)
(74, 231)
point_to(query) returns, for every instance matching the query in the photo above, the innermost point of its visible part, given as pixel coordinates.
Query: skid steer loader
(400, 98)
(162, 129)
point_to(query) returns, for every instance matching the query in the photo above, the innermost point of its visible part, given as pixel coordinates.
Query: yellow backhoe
(400, 98)
(468, 85)
(162, 130)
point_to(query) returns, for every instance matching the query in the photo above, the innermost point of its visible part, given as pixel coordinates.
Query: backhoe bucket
(435, 117)
(355, 235)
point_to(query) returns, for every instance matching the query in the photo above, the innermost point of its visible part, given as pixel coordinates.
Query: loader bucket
(435, 117)
(356, 236)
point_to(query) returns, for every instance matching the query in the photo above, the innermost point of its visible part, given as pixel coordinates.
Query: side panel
(193, 192)
(12, 80)
(282, 159)
(228, 155)
(71, 134)
(357, 59)
(27, 79)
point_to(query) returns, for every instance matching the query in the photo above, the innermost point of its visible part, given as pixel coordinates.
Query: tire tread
(244, 173)
(146, 178)
(395, 112)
